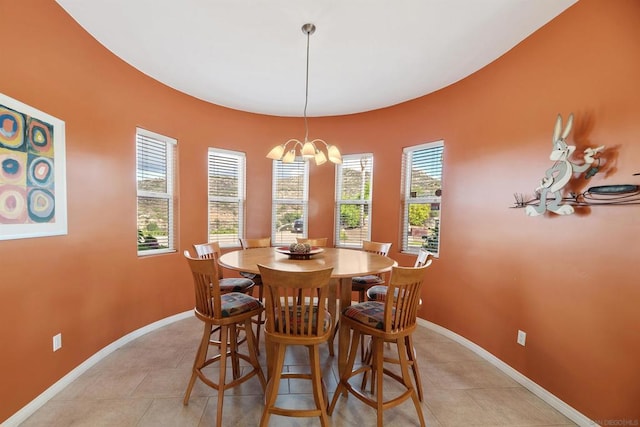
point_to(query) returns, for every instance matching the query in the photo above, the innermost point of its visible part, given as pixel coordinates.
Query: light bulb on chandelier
(308, 149)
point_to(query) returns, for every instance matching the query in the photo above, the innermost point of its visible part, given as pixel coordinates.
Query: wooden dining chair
(392, 320)
(321, 242)
(295, 320)
(212, 250)
(261, 242)
(361, 284)
(317, 241)
(379, 293)
(226, 311)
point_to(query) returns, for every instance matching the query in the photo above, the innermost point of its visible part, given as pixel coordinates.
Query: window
(290, 201)
(422, 178)
(155, 176)
(226, 175)
(353, 200)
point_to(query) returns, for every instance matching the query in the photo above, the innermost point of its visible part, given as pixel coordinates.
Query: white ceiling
(250, 55)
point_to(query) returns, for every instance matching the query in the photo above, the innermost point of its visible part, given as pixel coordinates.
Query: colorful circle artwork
(41, 205)
(13, 205)
(40, 171)
(11, 128)
(39, 137)
(12, 167)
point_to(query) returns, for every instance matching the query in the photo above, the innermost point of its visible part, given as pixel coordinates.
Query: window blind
(226, 188)
(354, 179)
(155, 177)
(422, 170)
(290, 199)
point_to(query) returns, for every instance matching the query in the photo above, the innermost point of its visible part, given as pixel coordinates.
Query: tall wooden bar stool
(390, 321)
(212, 250)
(262, 242)
(296, 315)
(379, 293)
(225, 311)
(322, 242)
(361, 284)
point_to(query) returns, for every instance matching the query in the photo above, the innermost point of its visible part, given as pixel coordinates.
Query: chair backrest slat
(424, 258)
(262, 242)
(379, 248)
(401, 312)
(209, 250)
(206, 286)
(316, 241)
(296, 302)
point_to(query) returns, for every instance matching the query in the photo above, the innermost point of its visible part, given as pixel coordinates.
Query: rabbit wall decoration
(557, 176)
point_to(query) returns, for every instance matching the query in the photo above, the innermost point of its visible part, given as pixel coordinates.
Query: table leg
(332, 305)
(343, 338)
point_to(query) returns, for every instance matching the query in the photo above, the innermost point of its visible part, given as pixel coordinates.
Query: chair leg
(319, 390)
(270, 352)
(251, 343)
(233, 343)
(411, 355)
(368, 355)
(404, 367)
(332, 337)
(273, 385)
(344, 378)
(198, 362)
(378, 357)
(223, 372)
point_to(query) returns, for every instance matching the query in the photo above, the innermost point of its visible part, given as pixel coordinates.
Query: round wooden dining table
(346, 263)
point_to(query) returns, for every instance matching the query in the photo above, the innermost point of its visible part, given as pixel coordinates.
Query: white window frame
(279, 166)
(347, 162)
(170, 146)
(434, 198)
(240, 199)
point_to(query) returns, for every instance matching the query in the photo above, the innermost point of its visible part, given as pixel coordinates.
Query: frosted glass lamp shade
(308, 150)
(320, 158)
(289, 157)
(334, 154)
(276, 152)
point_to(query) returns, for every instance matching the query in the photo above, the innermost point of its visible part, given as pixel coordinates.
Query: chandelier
(308, 149)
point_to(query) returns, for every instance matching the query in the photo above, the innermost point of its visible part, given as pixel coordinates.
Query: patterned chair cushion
(364, 282)
(250, 276)
(235, 284)
(236, 303)
(325, 326)
(370, 313)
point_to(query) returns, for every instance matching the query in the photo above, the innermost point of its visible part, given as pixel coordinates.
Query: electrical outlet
(57, 342)
(522, 338)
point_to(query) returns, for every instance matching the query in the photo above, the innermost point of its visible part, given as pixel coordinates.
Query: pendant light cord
(306, 92)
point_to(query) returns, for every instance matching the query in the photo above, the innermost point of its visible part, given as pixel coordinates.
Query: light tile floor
(143, 383)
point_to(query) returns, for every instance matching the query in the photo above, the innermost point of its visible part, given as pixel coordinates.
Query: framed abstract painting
(33, 188)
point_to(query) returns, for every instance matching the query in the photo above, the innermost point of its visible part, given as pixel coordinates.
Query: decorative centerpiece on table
(299, 250)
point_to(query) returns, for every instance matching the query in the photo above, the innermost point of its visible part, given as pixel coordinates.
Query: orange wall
(570, 282)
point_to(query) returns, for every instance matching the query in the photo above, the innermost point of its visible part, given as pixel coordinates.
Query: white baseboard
(44, 397)
(543, 394)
